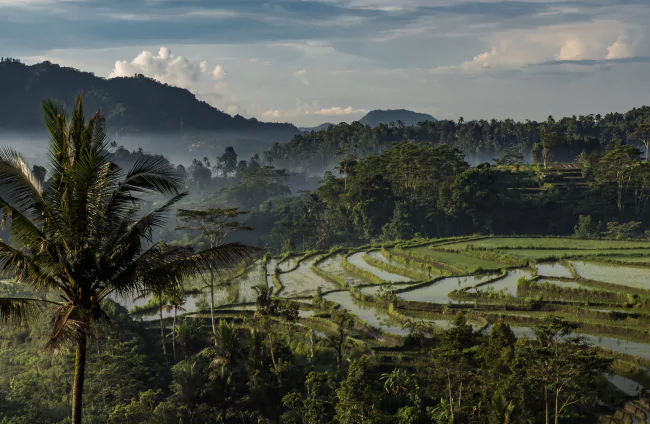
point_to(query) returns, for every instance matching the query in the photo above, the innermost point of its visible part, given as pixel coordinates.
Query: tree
(39, 173)
(346, 168)
(615, 170)
(510, 156)
(81, 237)
(215, 225)
(584, 228)
(355, 399)
(454, 361)
(400, 226)
(227, 162)
(643, 133)
(546, 144)
(199, 174)
(565, 367)
(344, 322)
(314, 407)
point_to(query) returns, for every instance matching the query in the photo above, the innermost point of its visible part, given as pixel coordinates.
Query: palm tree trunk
(214, 328)
(174, 334)
(162, 329)
(79, 373)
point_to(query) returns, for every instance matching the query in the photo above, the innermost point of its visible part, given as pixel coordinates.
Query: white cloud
(164, 67)
(481, 61)
(217, 73)
(203, 66)
(339, 111)
(572, 50)
(619, 50)
(301, 74)
(272, 114)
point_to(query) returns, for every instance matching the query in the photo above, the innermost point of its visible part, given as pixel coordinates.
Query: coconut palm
(82, 239)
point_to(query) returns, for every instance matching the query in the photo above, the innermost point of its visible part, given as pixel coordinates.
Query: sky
(308, 62)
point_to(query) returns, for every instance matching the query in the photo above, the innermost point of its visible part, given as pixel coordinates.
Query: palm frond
(155, 218)
(126, 241)
(19, 187)
(39, 273)
(165, 267)
(70, 325)
(22, 228)
(18, 311)
(153, 174)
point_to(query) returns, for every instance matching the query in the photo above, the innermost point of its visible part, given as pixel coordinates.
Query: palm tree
(82, 238)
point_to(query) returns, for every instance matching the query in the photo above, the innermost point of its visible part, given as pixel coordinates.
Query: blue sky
(309, 62)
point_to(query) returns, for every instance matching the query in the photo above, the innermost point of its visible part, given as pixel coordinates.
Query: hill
(321, 127)
(407, 117)
(135, 104)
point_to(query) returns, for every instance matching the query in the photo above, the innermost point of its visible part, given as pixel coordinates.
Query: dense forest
(421, 189)
(556, 140)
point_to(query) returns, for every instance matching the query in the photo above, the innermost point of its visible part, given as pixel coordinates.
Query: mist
(179, 148)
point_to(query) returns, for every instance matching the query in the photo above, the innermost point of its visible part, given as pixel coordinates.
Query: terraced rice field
(541, 254)
(640, 350)
(547, 243)
(357, 260)
(377, 255)
(368, 314)
(270, 269)
(303, 282)
(332, 265)
(626, 276)
(466, 263)
(567, 284)
(373, 290)
(438, 292)
(507, 284)
(553, 270)
(289, 263)
(253, 277)
(641, 260)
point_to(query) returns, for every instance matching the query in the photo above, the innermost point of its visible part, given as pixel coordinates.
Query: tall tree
(565, 367)
(227, 162)
(215, 225)
(82, 239)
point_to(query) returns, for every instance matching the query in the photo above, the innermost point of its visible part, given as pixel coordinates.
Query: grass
(548, 243)
(463, 262)
(541, 254)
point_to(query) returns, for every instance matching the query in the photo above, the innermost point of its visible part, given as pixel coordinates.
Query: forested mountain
(134, 104)
(407, 117)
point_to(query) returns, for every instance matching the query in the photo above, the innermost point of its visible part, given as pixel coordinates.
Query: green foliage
(406, 272)
(584, 228)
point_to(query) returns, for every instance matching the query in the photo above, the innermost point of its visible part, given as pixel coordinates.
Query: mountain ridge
(407, 117)
(132, 104)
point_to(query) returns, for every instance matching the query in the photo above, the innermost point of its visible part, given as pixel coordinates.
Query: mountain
(132, 105)
(409, 118)
(318, 128)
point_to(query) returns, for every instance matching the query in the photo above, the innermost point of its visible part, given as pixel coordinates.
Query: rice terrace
(604, 285)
